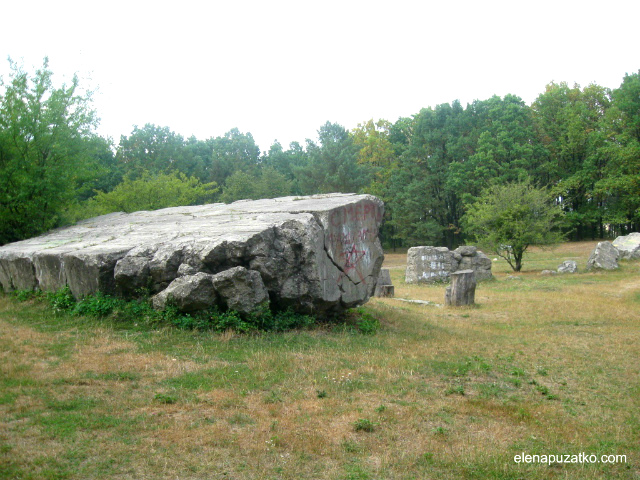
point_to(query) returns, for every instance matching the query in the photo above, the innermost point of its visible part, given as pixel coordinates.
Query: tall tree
(570, 123)
(375, 151)
(333, 164)
(619, 186)
(46, 145)
(231, 152)
(501, 146)
(291, 163)
(152, 149)
(425, 208)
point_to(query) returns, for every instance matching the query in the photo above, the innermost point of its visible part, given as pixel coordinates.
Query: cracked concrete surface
(317, 254)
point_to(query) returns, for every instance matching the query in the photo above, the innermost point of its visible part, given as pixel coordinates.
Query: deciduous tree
(46, 147)
(507, 219)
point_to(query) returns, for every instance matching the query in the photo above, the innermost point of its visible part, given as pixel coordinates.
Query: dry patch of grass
(541, 365)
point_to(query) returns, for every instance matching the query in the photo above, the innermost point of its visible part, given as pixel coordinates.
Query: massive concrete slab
(316, 254)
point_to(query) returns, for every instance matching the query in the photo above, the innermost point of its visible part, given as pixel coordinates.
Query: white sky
(280, 69)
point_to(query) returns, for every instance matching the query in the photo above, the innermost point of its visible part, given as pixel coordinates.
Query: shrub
(97, 305)
(62, 300)
(100, 305)
(364, 425)
(25, 295)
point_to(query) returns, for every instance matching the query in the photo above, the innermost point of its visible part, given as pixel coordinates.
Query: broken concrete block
(604, 257)
(383, 284)
(436, 264)
(318, 254)
(628, 246)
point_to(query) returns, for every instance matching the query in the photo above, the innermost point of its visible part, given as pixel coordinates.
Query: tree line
(581, 145)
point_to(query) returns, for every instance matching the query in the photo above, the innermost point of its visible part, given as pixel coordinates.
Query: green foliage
(507, 219)
(364, 425)
(572, 125)
(269, 183)
(368, 324)
(424, 204)
(151, 150)
(100, 305)
(232, 152)
(97, 305)
(46, 147)
(62, 300)
(239, 186)
(151, 193)
(627, 101)
(333, 163)
(581, 143)
(25, 295)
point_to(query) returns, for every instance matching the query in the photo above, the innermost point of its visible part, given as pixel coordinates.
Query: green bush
(62, 300)
(97, 305)
(25, 295)
(365, 323)
(262, 319)
(140, 311)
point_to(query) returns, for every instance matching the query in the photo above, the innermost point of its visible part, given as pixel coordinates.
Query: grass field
(541, 365)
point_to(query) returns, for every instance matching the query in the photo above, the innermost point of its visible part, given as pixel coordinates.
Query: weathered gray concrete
(430, 264)
(436, 264)
(568, 266)
(317, 254)
(628, 246)
(474, 259)
(462, 290)
(604, 257)
(384, 286)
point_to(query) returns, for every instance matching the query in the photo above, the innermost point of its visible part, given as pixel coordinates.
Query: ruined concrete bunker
(317, 254)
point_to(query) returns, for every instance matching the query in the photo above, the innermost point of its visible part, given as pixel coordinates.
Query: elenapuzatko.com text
(575, 458)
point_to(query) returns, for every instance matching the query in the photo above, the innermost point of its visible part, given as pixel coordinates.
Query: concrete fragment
(319, 254)
(430, 264)
(385, 291)
(466, 250)
(568, 266)
(604, 257)
(240, 289)
(384, 287)
(628, 246)
(462, 290)
(188, 293)
(474, 259)
(434, 264)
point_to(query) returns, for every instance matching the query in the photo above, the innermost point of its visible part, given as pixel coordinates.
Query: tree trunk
(518, 258)
(462, 290)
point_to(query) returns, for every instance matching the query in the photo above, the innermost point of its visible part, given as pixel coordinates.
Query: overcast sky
(280, 69)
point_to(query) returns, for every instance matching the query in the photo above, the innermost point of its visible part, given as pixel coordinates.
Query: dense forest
(581, 144)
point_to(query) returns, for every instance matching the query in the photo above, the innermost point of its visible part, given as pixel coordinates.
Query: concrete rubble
(628, 246)
(604, 257)
(384, 286)
(436, 264)
(318, 254)
(568, 266)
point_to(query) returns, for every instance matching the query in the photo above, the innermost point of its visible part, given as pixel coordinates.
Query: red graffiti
(362, 235)
(352, 257)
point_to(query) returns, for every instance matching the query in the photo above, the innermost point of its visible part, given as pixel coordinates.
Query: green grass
(403, 391)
